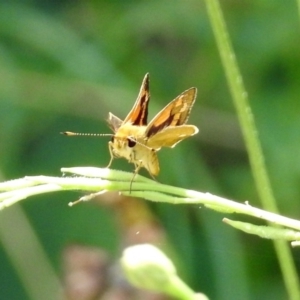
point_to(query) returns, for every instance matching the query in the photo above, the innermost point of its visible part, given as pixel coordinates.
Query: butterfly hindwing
(170, 136)
(114, 122)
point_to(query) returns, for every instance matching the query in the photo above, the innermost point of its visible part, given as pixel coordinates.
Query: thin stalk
(250, 133)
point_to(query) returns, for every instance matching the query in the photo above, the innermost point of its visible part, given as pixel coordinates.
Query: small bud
(147, 267)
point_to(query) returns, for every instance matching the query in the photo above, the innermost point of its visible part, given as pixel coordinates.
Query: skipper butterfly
(138, 141)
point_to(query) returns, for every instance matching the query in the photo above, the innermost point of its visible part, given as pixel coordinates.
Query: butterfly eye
(112, 138)
(131, 143)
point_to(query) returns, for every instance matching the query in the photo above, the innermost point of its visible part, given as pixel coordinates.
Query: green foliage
(65, 66)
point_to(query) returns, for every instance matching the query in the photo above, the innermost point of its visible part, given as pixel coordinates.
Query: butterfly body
(129, 142)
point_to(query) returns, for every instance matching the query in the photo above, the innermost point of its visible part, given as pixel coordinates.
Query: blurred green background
(65, 64)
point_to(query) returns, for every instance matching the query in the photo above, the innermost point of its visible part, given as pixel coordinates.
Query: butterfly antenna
(69, 133)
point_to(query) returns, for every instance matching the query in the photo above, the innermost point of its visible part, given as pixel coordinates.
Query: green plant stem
(298, 3)
(143, 188)
(250, 134)
(180, 289)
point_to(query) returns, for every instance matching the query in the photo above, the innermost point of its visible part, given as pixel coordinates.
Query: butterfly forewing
(176, 113)
(139, 113)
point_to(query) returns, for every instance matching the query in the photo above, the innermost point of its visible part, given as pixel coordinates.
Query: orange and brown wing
(139, 113)
(176, 113)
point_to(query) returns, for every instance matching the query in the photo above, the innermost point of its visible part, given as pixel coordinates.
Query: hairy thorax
(130, 142)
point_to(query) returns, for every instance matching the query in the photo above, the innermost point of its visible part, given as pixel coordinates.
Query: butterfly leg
(110, 147)
(136, 171)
